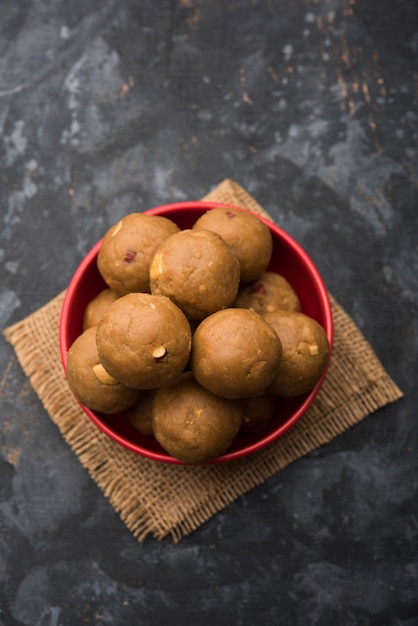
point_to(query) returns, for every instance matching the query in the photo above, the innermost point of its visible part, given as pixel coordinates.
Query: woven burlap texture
(165, 499)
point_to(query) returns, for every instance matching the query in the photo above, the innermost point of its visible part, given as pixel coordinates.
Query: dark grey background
(108, 107)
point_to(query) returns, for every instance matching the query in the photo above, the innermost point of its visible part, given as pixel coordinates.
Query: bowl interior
(288, 259)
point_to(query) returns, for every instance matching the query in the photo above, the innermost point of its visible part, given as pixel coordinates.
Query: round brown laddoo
(140, 414)
(127, 249)
(89, 381)
(259, 412)
(196, 270)
(97, 307)
(144, 340)
(305, 353)
(235, 353)
(247, 235)
(191, 423)
(270, 292)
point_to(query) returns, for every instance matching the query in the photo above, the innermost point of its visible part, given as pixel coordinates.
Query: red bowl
(288, 259)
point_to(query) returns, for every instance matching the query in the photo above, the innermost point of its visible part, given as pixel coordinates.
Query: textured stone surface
(112, 106)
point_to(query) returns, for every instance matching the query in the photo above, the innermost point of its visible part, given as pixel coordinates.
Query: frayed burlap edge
(163, 499)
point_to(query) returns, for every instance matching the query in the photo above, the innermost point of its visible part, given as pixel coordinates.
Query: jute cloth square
(165, 499)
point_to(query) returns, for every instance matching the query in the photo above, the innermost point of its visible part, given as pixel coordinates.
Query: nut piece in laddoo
(127, 249)
(305, 353)
(259, 412)
(89, 381)
(197, 270)
(144, 341)
(191, 423)
(140, 414)
(97, 307)
(270, 292)
(235, 353)
(246, 234)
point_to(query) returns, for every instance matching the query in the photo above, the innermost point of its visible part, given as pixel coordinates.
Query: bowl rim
(253, 446)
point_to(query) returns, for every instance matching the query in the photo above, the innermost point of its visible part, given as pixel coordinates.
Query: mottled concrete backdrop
(113, 106)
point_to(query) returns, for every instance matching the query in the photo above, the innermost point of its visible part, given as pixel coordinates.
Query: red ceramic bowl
(288, 259)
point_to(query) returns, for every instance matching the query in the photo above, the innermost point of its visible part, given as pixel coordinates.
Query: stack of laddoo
(194, 339)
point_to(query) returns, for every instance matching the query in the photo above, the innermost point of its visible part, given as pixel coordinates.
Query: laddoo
(197, 270)
(140, 414)
(191, 423)
(235, 353)
(97, 307)
(305, 352)
(127, 249)
(91, 384)
(270, 292)
(259, 412)
(144, 340)
(245, 233)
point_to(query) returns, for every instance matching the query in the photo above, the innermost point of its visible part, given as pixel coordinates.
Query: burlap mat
(165, 499)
